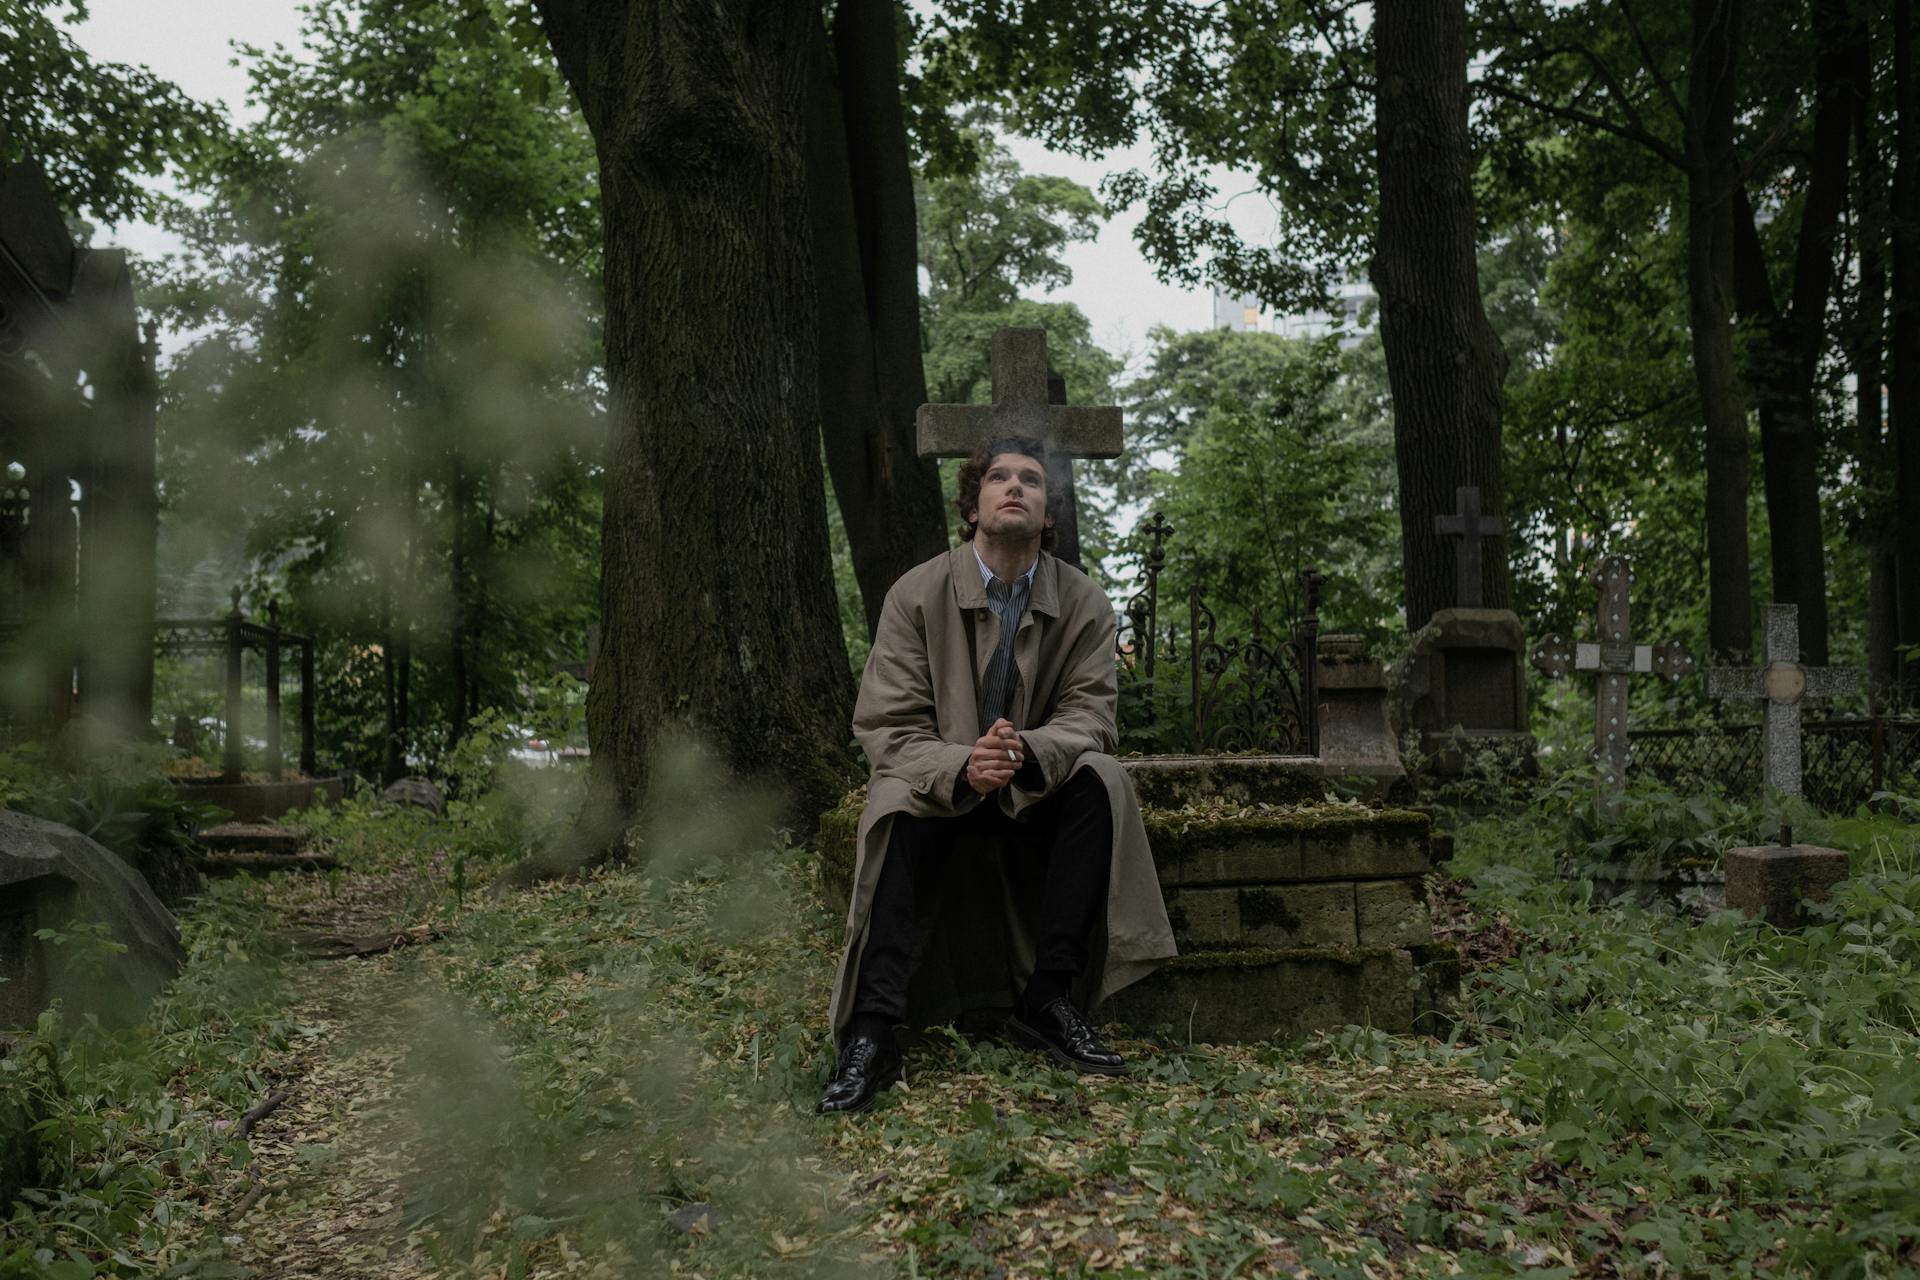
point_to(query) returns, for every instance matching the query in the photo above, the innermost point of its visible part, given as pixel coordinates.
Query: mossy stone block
(1175, 782)
(1392, 913)
(1386, 844)
(1287, 915)
(835, 841)
(1223, 850)
(1273, 993)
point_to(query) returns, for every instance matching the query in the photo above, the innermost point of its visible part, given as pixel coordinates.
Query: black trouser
(1057, 858)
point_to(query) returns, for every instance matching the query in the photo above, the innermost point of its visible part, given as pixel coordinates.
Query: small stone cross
(1019, 408)
(1783, 683)
(1470, 527)
(1617, 658)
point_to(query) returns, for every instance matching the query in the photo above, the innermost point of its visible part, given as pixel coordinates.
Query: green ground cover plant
(612, 1074)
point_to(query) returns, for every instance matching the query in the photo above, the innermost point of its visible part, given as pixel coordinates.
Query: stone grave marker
(1462, 686)
(52, 876)
(1616, 658)
(1783, 684)
(1775, 882)
(1020, 408)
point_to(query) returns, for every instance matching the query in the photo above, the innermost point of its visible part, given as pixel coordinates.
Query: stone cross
(1470, 527)
(1019, 408)
(1783, 683)
(1617, 658)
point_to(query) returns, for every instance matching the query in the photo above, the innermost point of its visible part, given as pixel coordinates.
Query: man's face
(1013, 497)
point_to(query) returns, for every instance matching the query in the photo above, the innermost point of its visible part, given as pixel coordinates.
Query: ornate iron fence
(1251, 694)
(1845, 763)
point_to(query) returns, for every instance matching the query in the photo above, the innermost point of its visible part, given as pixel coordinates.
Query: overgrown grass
(613, 1075)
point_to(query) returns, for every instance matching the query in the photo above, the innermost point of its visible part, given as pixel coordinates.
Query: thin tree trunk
(1445, 364)
(717, 605)
(860, 194)
(460, 496)
(1873, 459)
(1784, 361)
(390, 736)
(1904, 383)
(1711, 180)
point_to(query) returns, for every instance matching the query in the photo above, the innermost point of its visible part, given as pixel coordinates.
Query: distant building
(1237, 311)
(1355, 306)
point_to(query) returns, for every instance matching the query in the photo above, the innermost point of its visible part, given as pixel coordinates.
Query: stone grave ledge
(1293, 914)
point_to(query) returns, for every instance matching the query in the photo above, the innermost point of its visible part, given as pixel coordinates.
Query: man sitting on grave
(1002, 860)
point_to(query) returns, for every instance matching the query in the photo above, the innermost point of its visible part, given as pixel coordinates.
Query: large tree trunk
(872, 383)
(1785, 359)
(1445, 365)
(1711, 180)
(1904, 383)
(717, 607)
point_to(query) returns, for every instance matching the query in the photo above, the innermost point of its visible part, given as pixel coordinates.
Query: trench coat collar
(963, 568)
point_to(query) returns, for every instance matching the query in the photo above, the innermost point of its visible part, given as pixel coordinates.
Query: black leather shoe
(866, 1067)
(1062, 1033)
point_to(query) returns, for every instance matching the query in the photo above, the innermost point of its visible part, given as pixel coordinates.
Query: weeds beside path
(613, 1076)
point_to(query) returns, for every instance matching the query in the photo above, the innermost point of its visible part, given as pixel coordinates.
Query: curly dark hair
(974, 469)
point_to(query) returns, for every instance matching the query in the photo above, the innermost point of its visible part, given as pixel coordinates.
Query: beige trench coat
(917, 721)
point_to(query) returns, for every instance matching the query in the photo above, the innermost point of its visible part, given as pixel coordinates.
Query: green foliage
(129, 1124)
(100, 130)
(394, 383)
(1721, 1061)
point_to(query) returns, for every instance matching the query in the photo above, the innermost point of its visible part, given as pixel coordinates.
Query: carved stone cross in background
(1783, 683)
(1468, 525)
(1019, 408)
(1617, 658)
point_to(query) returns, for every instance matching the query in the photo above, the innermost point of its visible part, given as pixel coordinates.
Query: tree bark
(872, 383)
(460, 497)
(1445, 365)
(1873, 458)
(717, 606)
(1784, 361)
(1711, 181)
(1904, 382)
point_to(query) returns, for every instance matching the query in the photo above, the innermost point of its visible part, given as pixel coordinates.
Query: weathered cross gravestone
(1470, 527)
(1462, 685)
(1616, 658)
(1783, 683)
(1027, 401)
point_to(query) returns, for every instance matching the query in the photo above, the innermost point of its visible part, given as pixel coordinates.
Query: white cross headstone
(1783, 683)
(1616, 658)
(1019, 408)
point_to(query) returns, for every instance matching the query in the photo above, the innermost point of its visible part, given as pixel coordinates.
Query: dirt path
(335, 1157)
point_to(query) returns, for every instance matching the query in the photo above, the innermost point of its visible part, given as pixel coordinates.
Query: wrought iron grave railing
(231, 637)
(1242, 694)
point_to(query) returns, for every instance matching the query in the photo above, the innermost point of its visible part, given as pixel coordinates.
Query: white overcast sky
(190, 42)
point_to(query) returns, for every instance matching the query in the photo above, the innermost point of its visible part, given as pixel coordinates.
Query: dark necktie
(1003, 677)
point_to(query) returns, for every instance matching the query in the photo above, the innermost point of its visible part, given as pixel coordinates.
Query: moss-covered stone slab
(1312, 843)
(1236, 997)
(1392, 913)
(1291, 915)
(1178, 782)
(835, 841)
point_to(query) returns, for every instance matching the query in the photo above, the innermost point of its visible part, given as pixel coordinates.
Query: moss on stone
(835, 844)
(1260, 908)
(1261, 957)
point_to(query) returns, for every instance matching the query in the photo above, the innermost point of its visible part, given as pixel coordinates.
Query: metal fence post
(306, 707)
(230, 763)
(276, 767)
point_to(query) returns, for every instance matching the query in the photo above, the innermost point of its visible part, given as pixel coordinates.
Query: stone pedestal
(1291, 917)
(1462, 688)
(1356, 734)
(1774, 882)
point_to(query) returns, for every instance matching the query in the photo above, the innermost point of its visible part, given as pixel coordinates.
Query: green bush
(143, 820)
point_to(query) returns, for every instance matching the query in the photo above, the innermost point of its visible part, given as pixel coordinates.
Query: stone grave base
(1291, 917)
(1775, 882)
(263, 801)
